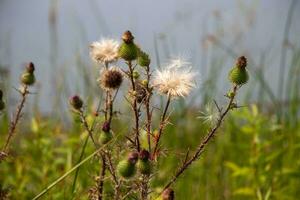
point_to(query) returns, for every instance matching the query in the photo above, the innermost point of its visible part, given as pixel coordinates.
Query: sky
(250, 27)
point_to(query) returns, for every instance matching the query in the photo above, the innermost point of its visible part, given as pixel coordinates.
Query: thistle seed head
(76, 102)
(111, 79)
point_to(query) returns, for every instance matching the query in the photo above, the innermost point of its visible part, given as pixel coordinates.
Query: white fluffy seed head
(176, 79)
(104, 51)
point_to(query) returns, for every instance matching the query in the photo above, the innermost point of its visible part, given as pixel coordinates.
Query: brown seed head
(111, 79)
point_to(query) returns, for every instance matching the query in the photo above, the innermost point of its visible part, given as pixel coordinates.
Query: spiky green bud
(143, 59)
(239, 74)
(126, 168)
(128, 50)
(135, 75)
(144, 167)
(27, 78)
(105, 137)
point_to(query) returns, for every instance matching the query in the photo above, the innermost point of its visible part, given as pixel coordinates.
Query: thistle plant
(27, 79)
(131, 167)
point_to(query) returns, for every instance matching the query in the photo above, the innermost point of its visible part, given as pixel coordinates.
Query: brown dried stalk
(18, 114)
(161, 127)
(147, 105)
(207, 138)
(134, 107)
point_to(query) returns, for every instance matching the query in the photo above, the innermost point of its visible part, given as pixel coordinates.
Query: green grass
(252, 157)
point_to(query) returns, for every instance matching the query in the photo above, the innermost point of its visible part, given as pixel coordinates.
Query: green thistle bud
(239, 75)
(105, 137)
(76, 102)
(144, 164)
(128, 50)
(143, 59)
(144, 167)
(28, 77)
(230, 94)
(126, 168)
(135, 75)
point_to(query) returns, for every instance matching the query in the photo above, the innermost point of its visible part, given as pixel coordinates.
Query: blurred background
(55, 35)
(211, 34)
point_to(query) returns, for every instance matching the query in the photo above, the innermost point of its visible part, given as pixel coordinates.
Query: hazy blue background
(53, 34)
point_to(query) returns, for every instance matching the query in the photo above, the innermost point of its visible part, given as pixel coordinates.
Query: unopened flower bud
(143, 59)
(105, 137)
(230, 94)
(238, 74)
(126, 168)
(128, 50)
(106, 126)
(135, 75)
(76, 102)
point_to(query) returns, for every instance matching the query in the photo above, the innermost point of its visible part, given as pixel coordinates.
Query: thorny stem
(88, 129)
(148, 112)
(84, 146)
(161, 126)
(204, 142)
(16, 118)
(102, 176)
(144, 187)
(135, 108)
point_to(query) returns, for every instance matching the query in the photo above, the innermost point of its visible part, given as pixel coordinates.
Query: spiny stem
(84, 147)
(87, 128)
(135, 109)
(102, 176)
(16, 118)
(148, 112)
(161, 126)
(204, 142)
